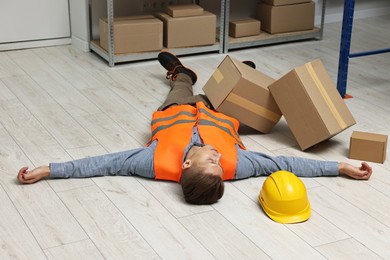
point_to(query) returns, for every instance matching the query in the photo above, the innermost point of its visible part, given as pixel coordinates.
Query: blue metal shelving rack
(345, 44)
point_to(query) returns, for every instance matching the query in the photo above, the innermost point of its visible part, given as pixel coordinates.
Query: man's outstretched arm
(251, 164)
(127, 163)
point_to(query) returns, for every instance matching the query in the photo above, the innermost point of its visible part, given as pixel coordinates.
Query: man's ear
(186, 164)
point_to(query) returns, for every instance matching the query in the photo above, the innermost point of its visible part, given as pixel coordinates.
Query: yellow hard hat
(284, 199)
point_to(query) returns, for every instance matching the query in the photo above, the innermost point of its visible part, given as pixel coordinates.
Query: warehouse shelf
(113, 58)
(265, 38)
(230, 43)
(223, 44)
(118, 58)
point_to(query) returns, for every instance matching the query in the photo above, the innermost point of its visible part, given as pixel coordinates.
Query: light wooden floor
(58, 104)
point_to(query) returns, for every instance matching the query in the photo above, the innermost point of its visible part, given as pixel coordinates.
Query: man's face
(206, 158)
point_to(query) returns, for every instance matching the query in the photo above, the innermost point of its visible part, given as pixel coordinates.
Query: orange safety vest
(173, 130)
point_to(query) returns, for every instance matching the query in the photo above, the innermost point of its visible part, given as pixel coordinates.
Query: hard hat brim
(301, 216)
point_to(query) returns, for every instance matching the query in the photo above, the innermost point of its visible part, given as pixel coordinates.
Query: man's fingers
(21, 174)
(28, 175)
(365, 175)
(365, 166)
(23, 170)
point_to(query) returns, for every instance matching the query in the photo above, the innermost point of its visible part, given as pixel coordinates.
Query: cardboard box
(311, 104)
(189, 31)
(244, 27)
(368, 147)
(284, 2)
(184, 10)
(133, 34)
(240, 91)
(286, 18)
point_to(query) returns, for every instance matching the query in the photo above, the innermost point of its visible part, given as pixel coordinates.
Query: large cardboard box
(241, 92)
(244, 27)
(184, 10)
(189, 31)
(368, 147)
(133, 34)
(284, 2)
(311, 104)
(286, 18)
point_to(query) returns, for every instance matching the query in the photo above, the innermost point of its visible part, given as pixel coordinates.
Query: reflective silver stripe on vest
(171, 117)
(162, 127)
(225, 129)
(202, 110)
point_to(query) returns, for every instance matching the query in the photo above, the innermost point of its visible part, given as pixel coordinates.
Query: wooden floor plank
(352, 220)
(157, 226)
(8, 68)
(54, 118)
(104, 223)
(46, 217)
(123, 113)
(34, 139)
(220, 237)
(85, 250)
(16, 239)
(5, 93)
(248, 217)
(74, 74)
(355, 250)
(58, 87)
(107, 133)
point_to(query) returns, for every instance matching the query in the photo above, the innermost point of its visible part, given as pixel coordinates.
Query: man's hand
(28, 177)
(362, 173)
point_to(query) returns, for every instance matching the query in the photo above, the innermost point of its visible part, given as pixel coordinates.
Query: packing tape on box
(218, 76)
(249, 105)
(325, 95)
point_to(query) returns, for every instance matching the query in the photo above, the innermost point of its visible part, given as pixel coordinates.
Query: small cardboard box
(241, 92)
(284, 2)
(184, 10)
(133, 34)
(244, 27)
(286, 18)
(368, 147)
(311, 104)
(189, 31)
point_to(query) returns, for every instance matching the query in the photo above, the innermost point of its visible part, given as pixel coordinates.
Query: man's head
(201, 179)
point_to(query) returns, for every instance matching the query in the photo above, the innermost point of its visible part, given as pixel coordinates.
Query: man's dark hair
(201, 188)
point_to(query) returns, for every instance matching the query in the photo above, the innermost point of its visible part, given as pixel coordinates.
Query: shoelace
(171, 74)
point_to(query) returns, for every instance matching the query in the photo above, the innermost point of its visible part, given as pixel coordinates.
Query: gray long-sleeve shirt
(139, 162)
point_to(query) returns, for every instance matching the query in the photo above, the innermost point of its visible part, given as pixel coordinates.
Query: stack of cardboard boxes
(179, 26)
(280, 16)
(187, 26)
(306, 96)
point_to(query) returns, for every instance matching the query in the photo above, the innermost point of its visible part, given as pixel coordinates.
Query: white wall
(79, 23)
(79, 13)
(26, 23)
